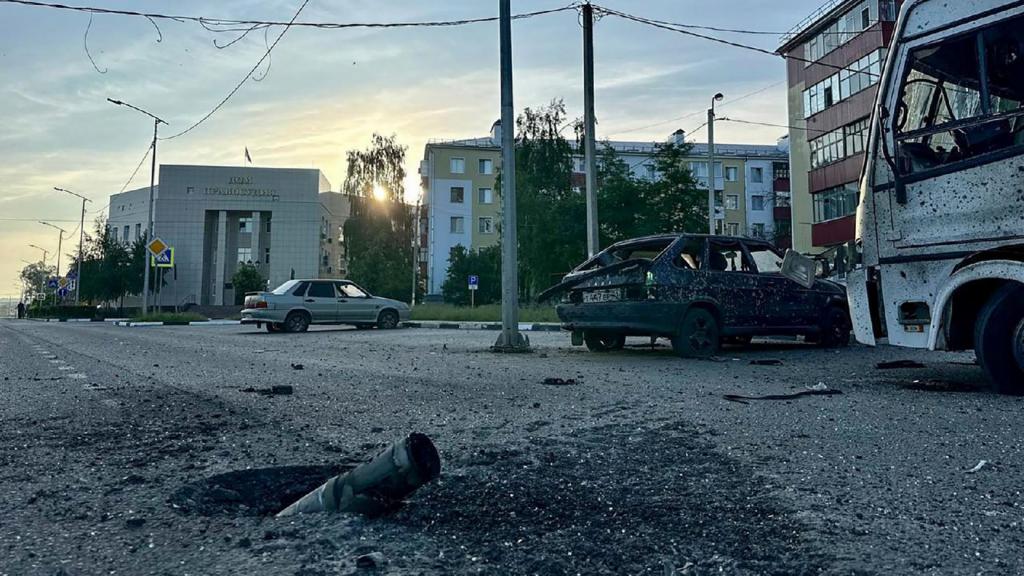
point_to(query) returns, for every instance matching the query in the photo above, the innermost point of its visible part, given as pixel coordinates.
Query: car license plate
(601, 296)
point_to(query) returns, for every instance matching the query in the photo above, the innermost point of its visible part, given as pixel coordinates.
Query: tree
(247, 278)
(551, 215)
(462, 263)
(34, 277)
(379, 232)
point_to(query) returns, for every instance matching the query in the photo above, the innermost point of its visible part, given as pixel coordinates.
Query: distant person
(21, 310)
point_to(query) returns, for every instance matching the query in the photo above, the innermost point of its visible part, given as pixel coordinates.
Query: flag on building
(247, 157)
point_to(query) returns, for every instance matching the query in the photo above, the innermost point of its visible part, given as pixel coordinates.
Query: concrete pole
(415, 253)
(150, 232)
(711, 169)
(590, 144)
(81, 255)
(510, 339)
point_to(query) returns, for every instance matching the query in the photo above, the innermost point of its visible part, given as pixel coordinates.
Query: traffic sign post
(474, 285)
(164, 259)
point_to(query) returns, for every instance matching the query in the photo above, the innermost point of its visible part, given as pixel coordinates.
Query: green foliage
(488, 313)
(33, 279)
(40, 310)
(247, 278)
(378, 234)
(462, 263)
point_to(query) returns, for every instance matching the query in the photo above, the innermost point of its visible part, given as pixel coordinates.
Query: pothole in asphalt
(255, 492)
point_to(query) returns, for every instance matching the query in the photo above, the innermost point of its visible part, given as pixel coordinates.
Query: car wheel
(388, 320)
(699, 335)
(999, 339)
(835, 328)
(296, 322)
(604, 341)
(273, 328)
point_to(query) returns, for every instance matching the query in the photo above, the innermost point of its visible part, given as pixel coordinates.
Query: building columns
(221, 258)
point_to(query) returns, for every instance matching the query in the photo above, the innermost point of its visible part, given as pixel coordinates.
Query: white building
(216, 217)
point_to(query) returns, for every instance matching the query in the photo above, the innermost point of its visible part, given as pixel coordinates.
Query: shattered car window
(766, 259)
(728, 257)
(690, 256)
(648, 250)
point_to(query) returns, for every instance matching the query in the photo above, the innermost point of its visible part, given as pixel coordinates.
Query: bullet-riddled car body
(296, 304)
(697, 290)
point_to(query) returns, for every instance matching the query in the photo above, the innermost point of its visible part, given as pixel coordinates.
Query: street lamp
(81, 237)
(711, 162)
(152, 179)
(60, 242)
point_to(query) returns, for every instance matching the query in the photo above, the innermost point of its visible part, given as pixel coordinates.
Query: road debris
(298, 367)
(766, 362)
(560, 381)
(376, 486)
(371, 560)
(977, 468)
(897, 364)
(819, 389)
(276, 390)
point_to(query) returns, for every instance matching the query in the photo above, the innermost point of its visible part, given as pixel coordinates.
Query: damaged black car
(699, 291)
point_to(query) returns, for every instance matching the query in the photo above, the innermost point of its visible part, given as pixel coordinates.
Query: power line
(136, 171)
(770, 125)
(244, 78)
(244, 25)
(672, 28)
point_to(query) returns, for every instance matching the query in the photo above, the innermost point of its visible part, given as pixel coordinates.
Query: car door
(732, 281)
(355, 305)
(786, 303)
(322, 301)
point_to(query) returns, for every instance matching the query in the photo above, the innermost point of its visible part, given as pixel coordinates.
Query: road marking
(77, 376)
(56, 361)
(65, 368)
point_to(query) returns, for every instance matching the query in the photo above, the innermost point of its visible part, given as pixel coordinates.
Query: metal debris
(818, 390)
(978, 467)
(277, 390)
(376, 486)
(896, 364)
(560, 381)
(766, 362)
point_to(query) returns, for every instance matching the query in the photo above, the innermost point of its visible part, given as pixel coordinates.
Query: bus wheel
(999, 339)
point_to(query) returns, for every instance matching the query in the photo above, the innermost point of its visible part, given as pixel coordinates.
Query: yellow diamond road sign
(63, 282)
(156, 246)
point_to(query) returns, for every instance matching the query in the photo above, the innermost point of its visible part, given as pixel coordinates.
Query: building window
(268, 226)
(732, 202)
(458, 195)
(650, 171)
(486, 166)
(780, 171)
(757, 203)
(842, 30)
(266, 255)
(127, 231)
(836, 202)
(138, 231)
(245, 255)
(733, 228)
(486, 225)
(245, 224)
(458, 224)
(731, 173)
(458, 166)
(838, 87)
(757, 175)
(757, 230)
(485, 196)
(838, 144)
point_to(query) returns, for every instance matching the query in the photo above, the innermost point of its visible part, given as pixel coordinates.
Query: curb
(523, 327)
(130, 324)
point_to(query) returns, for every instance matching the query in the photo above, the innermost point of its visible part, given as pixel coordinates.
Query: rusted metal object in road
(378, 485)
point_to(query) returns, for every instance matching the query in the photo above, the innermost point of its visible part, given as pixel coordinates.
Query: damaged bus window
(961, 99)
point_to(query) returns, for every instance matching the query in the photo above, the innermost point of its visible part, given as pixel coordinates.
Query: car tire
(699, 335)
(604, 341)
(296, 322)
(387, 320)
(999, 339)
(835, 328)
(273, 328)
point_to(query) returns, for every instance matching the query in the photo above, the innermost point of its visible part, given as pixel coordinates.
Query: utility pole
(589, 123)
(510, 339)
(150, 232)
(81, 237)
(415, 251)
(60, 243)
(711, 163)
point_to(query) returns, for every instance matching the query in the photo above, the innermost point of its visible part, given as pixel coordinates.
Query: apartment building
(834, 63)
(462, 205)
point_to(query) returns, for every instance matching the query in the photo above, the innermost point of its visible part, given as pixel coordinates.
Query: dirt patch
(255, 492)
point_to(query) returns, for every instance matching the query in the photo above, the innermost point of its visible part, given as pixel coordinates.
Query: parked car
(698, 290)
(294, 305)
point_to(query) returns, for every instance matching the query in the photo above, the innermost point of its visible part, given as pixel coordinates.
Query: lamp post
(81, 238)
(60, 243)
(711, 162)
(152, 179)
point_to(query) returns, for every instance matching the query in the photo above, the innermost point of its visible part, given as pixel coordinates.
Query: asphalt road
(136, 451)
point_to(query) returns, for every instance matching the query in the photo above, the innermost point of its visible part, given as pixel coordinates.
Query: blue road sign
(474, 280)
(165, 258)
(62, 293)
(51, 283)
(72, 275)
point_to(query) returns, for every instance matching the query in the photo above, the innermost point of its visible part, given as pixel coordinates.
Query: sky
(327, 91)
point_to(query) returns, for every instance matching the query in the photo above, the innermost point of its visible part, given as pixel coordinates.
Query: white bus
(941, 216)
